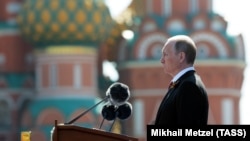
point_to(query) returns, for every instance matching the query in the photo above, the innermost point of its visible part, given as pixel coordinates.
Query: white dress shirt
(178, 75)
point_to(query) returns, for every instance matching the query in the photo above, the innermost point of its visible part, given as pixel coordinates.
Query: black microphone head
(124, 111)
(118, 93)
(109, 112)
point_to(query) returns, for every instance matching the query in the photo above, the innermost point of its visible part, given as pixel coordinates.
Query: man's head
(178, 53)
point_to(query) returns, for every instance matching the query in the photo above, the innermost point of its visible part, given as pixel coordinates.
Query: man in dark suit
(186, 101)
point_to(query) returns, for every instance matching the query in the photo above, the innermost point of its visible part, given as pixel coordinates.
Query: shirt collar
(178, 75)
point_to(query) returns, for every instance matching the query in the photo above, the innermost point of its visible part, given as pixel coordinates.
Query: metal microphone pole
(76, 118)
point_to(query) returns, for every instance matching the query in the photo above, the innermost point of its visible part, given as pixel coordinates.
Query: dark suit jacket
(185, 103)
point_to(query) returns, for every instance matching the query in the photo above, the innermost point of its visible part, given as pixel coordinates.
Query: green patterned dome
(60, 22)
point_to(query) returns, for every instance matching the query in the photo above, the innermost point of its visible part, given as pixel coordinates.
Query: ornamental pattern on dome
(55, 22)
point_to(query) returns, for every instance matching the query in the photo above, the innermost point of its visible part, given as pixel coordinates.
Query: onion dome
(61, 22)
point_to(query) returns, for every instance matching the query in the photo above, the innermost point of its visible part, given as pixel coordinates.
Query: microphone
(109, 112)
(124, 111)
(118, 93)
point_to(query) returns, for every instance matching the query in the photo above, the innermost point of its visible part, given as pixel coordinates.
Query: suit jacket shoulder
(185, 103)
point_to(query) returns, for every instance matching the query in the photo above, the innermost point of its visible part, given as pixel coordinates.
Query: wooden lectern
(76, 133)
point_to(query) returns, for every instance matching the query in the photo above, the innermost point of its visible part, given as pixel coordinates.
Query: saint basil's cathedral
(52, 51)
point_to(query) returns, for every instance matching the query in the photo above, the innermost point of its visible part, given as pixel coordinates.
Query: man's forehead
(167, 45)
(169, 42)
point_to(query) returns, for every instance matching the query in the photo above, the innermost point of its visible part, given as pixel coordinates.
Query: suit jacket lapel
(164, 101)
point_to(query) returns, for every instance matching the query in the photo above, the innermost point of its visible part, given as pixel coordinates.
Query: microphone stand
(83, 113)
(112, 125)
(116, 113)
(101, 123)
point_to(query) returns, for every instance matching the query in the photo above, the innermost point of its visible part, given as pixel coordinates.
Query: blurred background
(58, 57)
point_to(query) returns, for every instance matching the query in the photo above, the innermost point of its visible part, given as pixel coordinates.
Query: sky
(236, 13)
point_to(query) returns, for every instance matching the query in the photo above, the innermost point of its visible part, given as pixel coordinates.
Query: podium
(76, 133)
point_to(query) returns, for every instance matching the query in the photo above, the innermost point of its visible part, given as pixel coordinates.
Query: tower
(16, 71)
(220, 58)
(65, 36)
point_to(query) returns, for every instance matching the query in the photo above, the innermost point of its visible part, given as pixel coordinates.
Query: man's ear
(182, 57)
